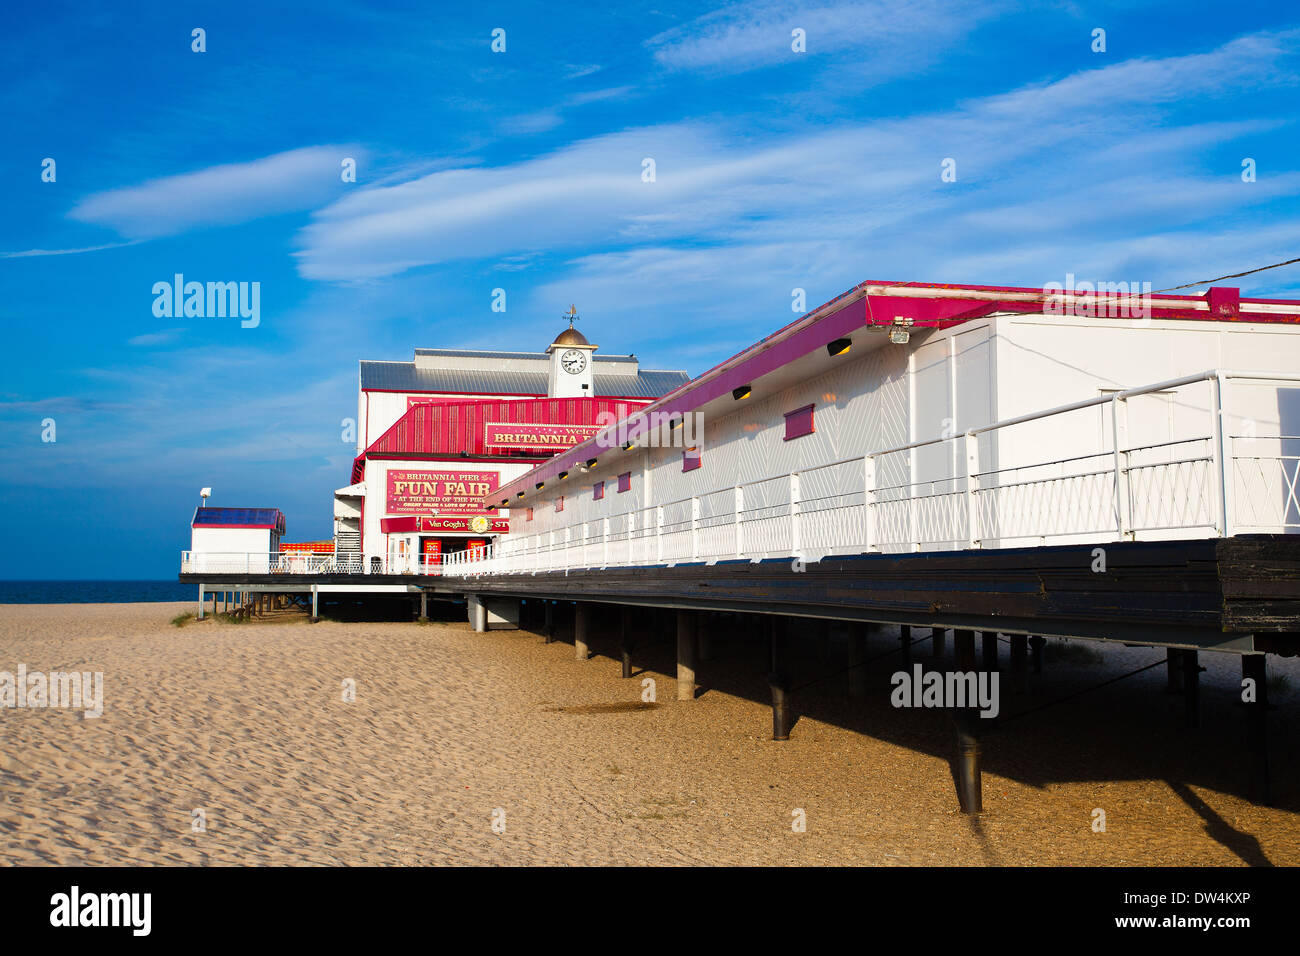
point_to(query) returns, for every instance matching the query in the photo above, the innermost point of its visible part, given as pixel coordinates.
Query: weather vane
(571, 314)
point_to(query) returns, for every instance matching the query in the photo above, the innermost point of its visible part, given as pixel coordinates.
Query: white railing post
(794, 512)
(972, 490)
(605, 542)
(869, 502)
(740, 527)
(1221, 450)
(1119, 431)
(659, 534)
(695, 528)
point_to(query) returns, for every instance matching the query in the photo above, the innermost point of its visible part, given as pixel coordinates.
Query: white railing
(1201, 484)
(1207, 483)
(292, 562)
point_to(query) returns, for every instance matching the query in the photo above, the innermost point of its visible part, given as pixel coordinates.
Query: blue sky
(522, 170)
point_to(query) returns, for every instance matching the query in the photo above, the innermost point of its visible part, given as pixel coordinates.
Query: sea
(95, 592)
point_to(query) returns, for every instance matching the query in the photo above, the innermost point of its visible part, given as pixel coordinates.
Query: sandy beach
(451, 731)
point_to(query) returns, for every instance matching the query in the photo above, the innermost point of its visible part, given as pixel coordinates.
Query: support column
(963, 647)
(989, 650)
(315, 607)
(548, 627)
(1036, 653)
(1254, 666)
(970, 789)
(969, 777)
(1192, 689)
(625, 640)
(1019, 663)
(1173, 670)
(581, 631)
(686, 654)
(424, 607)
(200, 602)
(779, 678)
(938, 637)
(857, 659)
(905, 639)
(824, 641)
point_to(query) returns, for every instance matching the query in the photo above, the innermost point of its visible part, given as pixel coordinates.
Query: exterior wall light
(741, 392)
(838, 347)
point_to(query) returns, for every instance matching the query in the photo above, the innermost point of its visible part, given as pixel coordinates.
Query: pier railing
(1201, 480)
(296, 562)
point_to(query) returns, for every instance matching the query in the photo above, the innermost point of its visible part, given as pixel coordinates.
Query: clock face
(573, 361)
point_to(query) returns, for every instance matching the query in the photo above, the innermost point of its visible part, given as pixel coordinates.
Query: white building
(847, 431)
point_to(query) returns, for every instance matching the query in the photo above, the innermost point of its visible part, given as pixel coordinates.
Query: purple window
(598, 490)
(691, 459)
(625, 482)
(799, 422)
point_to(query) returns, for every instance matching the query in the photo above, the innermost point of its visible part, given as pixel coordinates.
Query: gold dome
(570, 336)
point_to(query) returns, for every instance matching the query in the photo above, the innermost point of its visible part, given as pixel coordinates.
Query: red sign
(476, 547)
(439, 492)
(535, 437)
(431, 548)
(493, 525)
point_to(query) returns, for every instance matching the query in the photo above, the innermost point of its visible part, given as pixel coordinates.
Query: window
(625, 482)
(530, 514)
(691, 458)
(799, 422)
(559, 503)
(598, 490)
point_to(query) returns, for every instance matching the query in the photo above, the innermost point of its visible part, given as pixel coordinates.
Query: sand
(452, 731)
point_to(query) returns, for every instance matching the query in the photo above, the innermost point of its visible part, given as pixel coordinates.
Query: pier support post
(581, 631)
(1254, 667)
(779, 679)
(857, 659)
(1036, 644)
(969, 781)
(1192, 689)
(1173, 670)
(424, 607)
(1019, 662)
(200, 615)
(938, 638)
(706, 623)
(963, 648)
(687, 654)
(548, 626)
(315, 606)
(989, 650)
(905, 639)
(625, 640)
(970, 789)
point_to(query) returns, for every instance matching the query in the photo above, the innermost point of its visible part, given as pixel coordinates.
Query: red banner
(439, 492)
(536, 437)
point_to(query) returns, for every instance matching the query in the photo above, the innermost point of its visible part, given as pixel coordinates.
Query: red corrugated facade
(450, 429)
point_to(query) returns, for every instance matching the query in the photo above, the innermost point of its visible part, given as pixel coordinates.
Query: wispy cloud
(221, 195)
(893, 35)
(28, 253)
(720, 204)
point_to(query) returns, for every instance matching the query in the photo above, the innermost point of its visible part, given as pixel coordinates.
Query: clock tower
(571, 355)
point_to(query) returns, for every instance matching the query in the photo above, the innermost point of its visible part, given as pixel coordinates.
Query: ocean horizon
(95, 592)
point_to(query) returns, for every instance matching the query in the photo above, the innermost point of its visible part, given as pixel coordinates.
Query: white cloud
(221, 195)
(1034, 159)
(893, 35)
